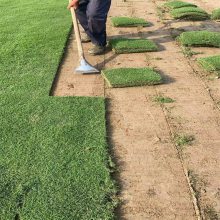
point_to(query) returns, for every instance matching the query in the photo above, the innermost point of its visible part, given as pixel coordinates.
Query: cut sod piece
(126, 77)
(200, 38)
(216, 14)
(178, 4)
(123, 45)
(128, 22)
(190, 13)
(211, 64)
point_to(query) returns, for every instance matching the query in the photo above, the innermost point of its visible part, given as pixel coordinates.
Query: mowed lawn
(53, 151)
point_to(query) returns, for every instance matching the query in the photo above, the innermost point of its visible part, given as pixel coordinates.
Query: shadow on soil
(166, 78)
(116, 160)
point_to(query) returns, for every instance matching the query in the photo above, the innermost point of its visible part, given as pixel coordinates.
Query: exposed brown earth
(70, 84)
(154, 173)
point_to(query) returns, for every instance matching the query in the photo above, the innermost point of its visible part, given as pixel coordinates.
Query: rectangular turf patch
(189, 13)
(211, 64)
(54, 160)
(128, 22)
(124, 45)
(216, 14)
(127, 77)
(200, 38)
(178, 4)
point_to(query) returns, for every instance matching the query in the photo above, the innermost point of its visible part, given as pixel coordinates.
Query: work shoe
(96, 50)
(85, 38)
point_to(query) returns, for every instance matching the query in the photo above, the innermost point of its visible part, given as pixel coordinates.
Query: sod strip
(211, 64)
(200, 38)
(53, 151)
(216, 14)
(128, 22)
(189, 13)
(127, 77)
(177, 4)
(123, 45)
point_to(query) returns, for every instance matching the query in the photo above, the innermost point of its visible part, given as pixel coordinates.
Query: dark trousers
(92, 15)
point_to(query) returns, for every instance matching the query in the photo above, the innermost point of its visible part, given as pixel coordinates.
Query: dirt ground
(157, 179)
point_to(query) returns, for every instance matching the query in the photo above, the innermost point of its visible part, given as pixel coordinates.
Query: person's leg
(82, 16)
(97, 11)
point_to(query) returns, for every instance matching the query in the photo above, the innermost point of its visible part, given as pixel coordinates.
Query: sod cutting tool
(84, 67)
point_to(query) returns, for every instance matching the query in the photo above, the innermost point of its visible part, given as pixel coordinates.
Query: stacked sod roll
(186, 11)
(200, 38)
(216, 14)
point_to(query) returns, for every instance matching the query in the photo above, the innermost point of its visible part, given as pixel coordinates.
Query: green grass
(128, 22)
(216, 14)
(183, 140)
(53, 154)
(123, 45)
(162, 99)
(126, 77)
(190, 13)
(188, 52)
(178, 4)
(211, 64)
(200, 38)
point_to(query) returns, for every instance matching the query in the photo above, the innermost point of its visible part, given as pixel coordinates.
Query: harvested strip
(128, 22)
(216, 14)
(126, 77)
(178, 4)
(123, 45)
(190, 13)
(200, 38)
(211, 64)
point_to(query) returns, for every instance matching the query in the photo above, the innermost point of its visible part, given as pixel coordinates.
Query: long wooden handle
(77, 33)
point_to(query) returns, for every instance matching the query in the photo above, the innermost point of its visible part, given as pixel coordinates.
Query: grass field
(53, 155)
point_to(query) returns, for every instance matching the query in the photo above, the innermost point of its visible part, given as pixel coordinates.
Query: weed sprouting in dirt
(210, 213)
(163, 99)
(188, 52)
(196, 183)
(160, 13)
(199, 185)
(182, 140)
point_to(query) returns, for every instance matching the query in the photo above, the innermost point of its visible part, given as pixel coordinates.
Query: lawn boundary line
(62, 57)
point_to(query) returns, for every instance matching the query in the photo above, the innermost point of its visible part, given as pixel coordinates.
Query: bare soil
(157, 179)
(69, 83)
